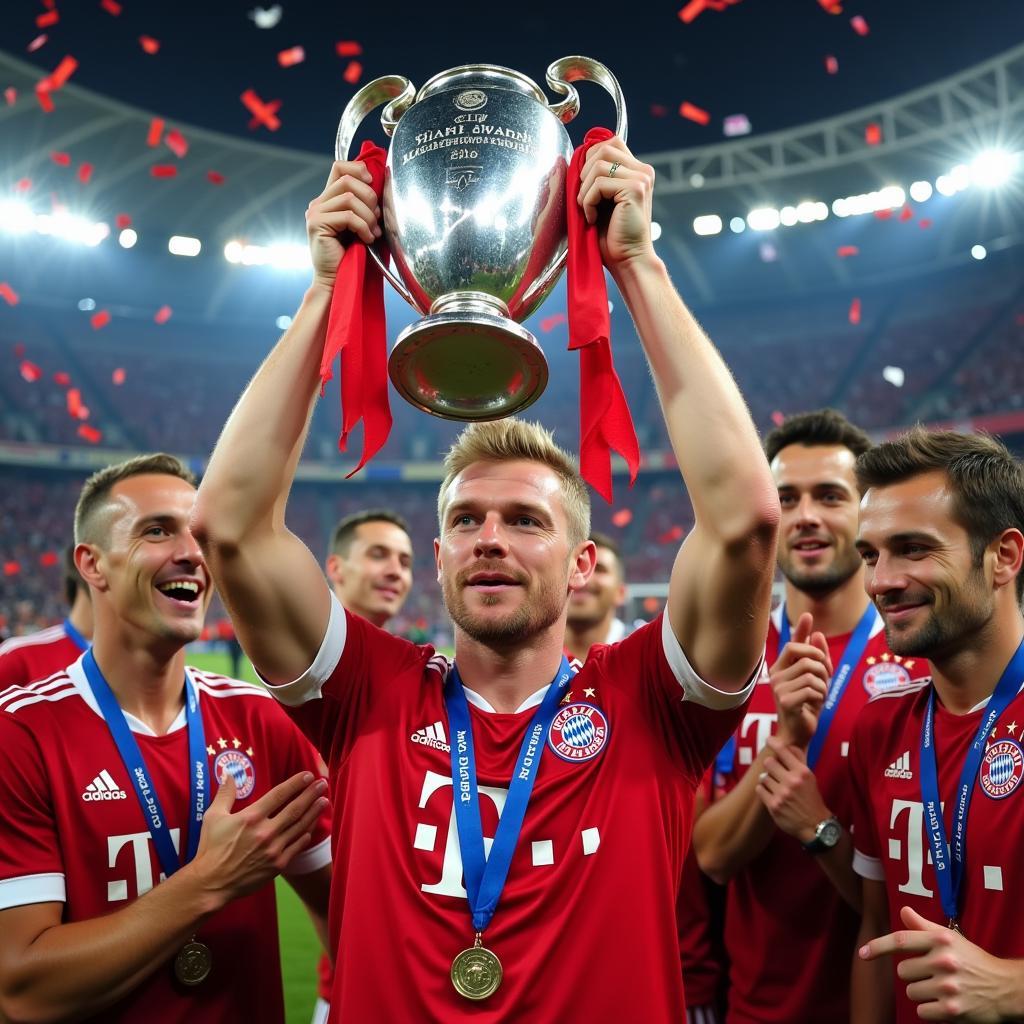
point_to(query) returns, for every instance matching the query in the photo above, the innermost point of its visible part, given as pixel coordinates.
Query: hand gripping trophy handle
(399, 94)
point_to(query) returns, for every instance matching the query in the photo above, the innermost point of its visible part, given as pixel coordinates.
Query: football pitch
(300, 948)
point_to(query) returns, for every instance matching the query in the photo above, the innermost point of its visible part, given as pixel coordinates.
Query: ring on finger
(611, 170)
(762, 777)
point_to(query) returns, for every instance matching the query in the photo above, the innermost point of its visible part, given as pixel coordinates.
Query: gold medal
(476, 972)
(954, 925)
(193, 963)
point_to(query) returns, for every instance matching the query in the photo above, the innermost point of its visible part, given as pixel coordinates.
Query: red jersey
(890, 841)
(23, 659)
(73, 831)
(788, 932)
(588, 911)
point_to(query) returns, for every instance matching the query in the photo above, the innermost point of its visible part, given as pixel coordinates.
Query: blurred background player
(85, 930)
(40, 654)
(593, 611)
(942, 536)
(791, 924)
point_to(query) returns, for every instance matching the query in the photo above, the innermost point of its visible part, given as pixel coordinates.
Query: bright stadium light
(764, 218)
(921, 191)
(737, 225)
(979, 252)
(86, 305)
(233, 252)
(655, 231)
(16, 217)
(839, 208)
(993, 167)
(787, 216)
(70, 227)
(289, 256)
(944, 185)
(184, 245)
(283, 322)
(127, 238)
(707, 224)
(960, 176)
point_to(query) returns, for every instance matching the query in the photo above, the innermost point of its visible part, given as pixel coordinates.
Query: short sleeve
(13, 671)
(866, 852)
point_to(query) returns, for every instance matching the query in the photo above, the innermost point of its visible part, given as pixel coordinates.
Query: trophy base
(468, 365)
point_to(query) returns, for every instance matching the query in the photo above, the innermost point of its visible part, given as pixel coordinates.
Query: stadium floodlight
(655, 231)
(944, 185)
(288, 256)
(70, 227)
(839, 208)
(960, 176)
(921, 191)
(707, 224)
(979, 252)
(233, 252)
(283, 322)
(184, 245)
(737, 225)
(127, 238)
(16, 217)
(86, 305)
(764, 218)
(787, 216)
(993, 167)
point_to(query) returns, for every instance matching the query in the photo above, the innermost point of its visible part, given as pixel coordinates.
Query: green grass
(300, 948)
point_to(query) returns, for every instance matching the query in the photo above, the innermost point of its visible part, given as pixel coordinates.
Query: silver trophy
(474, 218)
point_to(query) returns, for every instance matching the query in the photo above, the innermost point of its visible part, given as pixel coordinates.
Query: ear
(87, 562)
(333, 568)
(582, 567)
(1008, 557)
(437, 557)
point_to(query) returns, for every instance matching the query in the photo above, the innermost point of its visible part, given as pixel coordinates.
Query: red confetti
(90, 434)
(37, 43)
(847, 250)
(43, 95)
(883, 214)
(215, 177)
(48, 559)
(673, 533)
(11, 568)
(549, 323)
(111, 7)
(11, 95)
(162, 315)
(348, 48)
(262, 113)
(906, 213)
(30, 372)
(8, 294)
(100, 319)
(23, 185)
(873, 134)
(122, 221)
(47, 19)
(778, 418)
(49, 4)
(75, 406)
(65, 69)
(623, 517)
(353, 72)
(85, 173)
(118, 376)
(854, 314)
(689, 12)
(292, 56)
(859, 25)
(61, 159)
(176, 143)
(659, 110)
(62, 378)
(163, 171)
(831, 65)
(156, 131)
(149, 44)
(692, 113)
(831, 6)
(924, 223)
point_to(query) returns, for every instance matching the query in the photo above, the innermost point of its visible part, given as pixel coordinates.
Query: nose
(883, 577)
(187, 550)
(807, 511)
(491, 540)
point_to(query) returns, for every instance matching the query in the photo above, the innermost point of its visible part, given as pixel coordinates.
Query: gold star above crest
(909, 663)
(236, 743)
(589, 692)
(886, 656)
(211, 751)
(1011, 728)
(222, 743)
(567, 698)
(872, 660)
(897, 659)
(248, 750)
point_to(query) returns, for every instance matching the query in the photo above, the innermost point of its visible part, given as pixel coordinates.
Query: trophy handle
(399, 94)
(584, 69)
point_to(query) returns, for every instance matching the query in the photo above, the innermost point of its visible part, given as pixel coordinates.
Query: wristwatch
(826, 835)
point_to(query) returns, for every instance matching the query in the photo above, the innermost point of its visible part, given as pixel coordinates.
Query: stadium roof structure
(266, 188)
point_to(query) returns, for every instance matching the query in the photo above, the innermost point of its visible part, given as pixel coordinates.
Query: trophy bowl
(474, 221)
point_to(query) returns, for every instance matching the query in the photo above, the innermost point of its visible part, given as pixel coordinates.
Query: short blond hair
(509, 440)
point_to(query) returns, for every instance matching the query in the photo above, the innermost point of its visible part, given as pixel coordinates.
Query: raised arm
(720, 589)
(270, 581)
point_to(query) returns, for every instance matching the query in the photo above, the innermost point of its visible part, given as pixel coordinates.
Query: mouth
(183, 592)
(492, 582)
(809, 548)
(895, 613)
(388, 593)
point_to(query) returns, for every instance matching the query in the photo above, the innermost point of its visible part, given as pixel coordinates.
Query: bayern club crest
(884, 677)
(240, 767)
(579, 732)
(1002, 768)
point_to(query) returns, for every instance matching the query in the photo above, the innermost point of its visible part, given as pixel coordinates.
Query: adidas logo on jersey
(432, 736)
(103, 787)
(900, 768)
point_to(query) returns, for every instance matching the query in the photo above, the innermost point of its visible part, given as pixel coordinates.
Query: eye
(787, 500)
(154, 531)
(832, 498)
(914, 550)
(869, 557)
(463, 519)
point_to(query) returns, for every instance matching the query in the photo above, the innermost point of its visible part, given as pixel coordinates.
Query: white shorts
(320, 1012)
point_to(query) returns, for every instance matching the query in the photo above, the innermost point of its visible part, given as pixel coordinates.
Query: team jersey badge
(579, 732)
(884, 677)
(240, 767)
(1002, 768)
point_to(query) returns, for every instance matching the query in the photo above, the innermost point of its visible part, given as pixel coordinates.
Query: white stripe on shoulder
(43, 685)
(440, 664)
(914, 686)
(16, 702)
(221, 686)
(43, 636)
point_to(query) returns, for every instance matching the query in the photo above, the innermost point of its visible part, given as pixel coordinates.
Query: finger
(809, 660)
(783, 754)
(273, 800)
(912, 919)
(601, 189)
(902, 942)
(821, 644)
(224, 798)
(916, 968)
(306, 823)
(812, 694)
(804, 628)
(348, 202)
(611, 150)
(294, 848)
(339, 223)
(356, 168)
(348, 185)
(296, 809)
(603, 169)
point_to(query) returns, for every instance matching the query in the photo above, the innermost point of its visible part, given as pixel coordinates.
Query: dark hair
(985, 479)
(603, 540)
(97, 488)
(73, 582)
(344, 533)
(820, 427)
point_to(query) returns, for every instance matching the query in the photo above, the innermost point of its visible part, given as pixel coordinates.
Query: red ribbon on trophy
(605, 422)
(357, 331)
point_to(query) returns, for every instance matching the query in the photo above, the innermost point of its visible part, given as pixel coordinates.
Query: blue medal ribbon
(486, 874)
(852, 654)
(131, 756)
(950, 860)
(75, 637)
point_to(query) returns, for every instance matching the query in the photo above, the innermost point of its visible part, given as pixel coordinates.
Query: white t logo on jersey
(910, 842)
(762, 723)
(142, 858)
